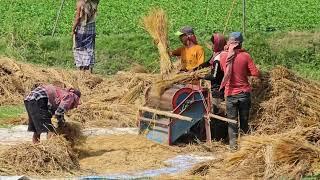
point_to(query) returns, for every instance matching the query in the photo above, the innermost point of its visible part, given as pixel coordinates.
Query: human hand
(61, 121)
(61, 124)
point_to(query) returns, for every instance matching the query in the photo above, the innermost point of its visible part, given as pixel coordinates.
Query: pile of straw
(156, 24)
(114, 102)
(105, 101)
(289, 155)
(288, 101)
(52, 157)
(18, 79)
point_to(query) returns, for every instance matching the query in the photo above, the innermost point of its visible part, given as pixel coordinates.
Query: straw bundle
(71, 131)
(156, 24)
(50, 157)
(133, 94)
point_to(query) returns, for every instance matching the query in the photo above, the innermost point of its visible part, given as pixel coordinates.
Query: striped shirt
(64, 103)
(36, 94)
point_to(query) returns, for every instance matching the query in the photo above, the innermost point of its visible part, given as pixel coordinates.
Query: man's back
(243, 67)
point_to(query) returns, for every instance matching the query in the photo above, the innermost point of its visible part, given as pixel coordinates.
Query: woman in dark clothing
(216, 75)
(219, 129)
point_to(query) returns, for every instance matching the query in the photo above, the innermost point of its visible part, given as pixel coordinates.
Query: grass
(10, 112)
(121, 40)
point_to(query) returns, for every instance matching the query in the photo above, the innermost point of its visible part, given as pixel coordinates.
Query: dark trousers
(39, 116)
(238, 106)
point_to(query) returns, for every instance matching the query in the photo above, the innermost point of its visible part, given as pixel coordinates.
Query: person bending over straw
(237, 66)
(84, 34)
(44, 101)
(191, 54)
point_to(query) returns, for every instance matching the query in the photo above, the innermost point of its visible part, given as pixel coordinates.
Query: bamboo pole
(244, 17)
(57, 18)
(223, 118)
(166, 113)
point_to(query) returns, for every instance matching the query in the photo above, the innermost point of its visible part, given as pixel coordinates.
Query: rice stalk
(156, 24)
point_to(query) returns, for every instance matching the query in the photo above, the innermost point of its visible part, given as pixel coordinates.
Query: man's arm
(213, 75)
(252, 69)
(65, 105)
(77, 17)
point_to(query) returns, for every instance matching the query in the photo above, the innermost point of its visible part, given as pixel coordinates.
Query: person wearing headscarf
(45, 101)
(84, 34)
(216, 74)
(237, 66)
(191, 54)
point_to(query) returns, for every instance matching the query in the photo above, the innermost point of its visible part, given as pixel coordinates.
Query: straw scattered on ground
(123, 153)
(52, 157)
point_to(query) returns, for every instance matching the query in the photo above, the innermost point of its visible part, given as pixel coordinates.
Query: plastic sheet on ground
(178, 164)
(17, 134)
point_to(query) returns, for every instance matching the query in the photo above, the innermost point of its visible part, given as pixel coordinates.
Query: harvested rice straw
(72, 133)
(290, 101)
(51, 157)
(287, 155)
(160, 86)
(133, 94)
(157, 26)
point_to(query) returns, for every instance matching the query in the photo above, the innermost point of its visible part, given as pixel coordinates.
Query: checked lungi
(84, 47)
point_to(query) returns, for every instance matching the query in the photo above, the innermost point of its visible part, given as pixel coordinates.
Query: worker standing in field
(216, 74)
(191, 54)
(237, 65)
(45, 101)
(84, 34)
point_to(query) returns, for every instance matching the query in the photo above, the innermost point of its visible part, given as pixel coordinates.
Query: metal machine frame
(176, 114)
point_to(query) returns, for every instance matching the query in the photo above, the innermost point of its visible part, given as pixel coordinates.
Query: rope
(228, 16)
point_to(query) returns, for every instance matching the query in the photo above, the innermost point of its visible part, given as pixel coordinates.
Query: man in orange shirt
(192, 55)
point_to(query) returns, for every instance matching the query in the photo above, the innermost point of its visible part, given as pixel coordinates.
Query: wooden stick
(208, 130)
(223, 118)
(57, 18)
(153, 121)
(166, 113)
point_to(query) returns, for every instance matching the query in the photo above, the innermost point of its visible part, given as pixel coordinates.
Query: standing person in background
(191, 54)
(237, 65)
(45, 101)
(84, 34)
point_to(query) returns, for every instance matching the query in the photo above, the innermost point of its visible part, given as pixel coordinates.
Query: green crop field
(26, 28)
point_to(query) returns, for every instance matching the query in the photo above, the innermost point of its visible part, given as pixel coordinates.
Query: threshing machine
(176, 111)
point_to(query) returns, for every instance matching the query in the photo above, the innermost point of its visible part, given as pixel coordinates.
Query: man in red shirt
(237, 65)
